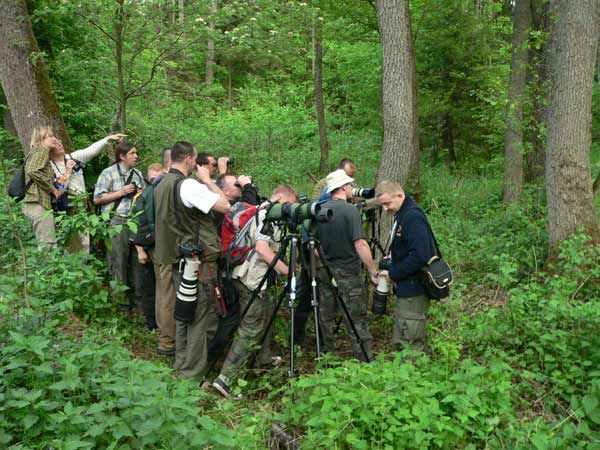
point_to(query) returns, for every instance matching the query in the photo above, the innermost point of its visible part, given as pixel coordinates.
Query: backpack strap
(431, 234)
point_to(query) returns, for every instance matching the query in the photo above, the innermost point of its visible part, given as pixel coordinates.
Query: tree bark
(119, 37)
(513, 137)
(448, 138)
(210, 50)
(400, 152)
(572, 53)
(319, 102)
(539, 79)
(181, 11)
(24, 76)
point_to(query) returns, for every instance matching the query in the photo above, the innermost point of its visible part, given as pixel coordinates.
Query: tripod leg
(314, 293)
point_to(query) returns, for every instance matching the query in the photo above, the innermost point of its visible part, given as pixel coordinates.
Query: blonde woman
(68, 173)
(45, 164)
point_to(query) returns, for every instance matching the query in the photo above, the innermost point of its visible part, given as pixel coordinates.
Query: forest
(486, 111)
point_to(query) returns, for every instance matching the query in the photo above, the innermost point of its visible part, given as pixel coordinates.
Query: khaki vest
(176, 224)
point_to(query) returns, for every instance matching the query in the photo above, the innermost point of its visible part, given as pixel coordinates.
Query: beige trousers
(43, 223)
(165, 305)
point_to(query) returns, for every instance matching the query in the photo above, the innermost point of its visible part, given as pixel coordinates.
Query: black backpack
(17, 188)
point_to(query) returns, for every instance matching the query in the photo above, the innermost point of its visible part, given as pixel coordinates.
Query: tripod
(292, 241)
(373, 220)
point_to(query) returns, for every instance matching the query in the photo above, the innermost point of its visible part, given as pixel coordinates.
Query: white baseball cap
(337, 179)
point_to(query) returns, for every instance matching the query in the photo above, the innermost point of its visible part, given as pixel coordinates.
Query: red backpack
(235, 241)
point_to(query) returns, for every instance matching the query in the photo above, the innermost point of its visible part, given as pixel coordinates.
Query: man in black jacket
(411, 248)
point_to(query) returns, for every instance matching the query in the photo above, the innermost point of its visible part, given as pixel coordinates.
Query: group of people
(180, 207)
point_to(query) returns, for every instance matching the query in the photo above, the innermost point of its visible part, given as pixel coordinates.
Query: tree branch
(102, 30)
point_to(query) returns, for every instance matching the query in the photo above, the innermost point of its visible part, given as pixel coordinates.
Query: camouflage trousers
(351, 287)
(410, 321)
(192, 339)
(250, 333)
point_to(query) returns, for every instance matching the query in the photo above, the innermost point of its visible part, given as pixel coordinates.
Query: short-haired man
(344, 248)
(347, 165)
(183, 205)
(215, 167)
(238, 188)
(114, 192)
(411, 248)
(247, 278)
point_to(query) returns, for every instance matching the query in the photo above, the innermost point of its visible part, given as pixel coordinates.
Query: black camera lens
(379, 306)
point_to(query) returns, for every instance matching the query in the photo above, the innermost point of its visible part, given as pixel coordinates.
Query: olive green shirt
(39, 170)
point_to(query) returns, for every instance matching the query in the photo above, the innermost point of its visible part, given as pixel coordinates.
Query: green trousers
(249, 335)
(410, 322)
(192, 339)
(351, 287)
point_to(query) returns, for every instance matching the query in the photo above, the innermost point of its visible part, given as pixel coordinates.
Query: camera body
(190, 250)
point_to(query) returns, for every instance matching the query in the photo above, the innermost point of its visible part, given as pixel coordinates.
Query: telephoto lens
(383, 288)
(380, 296)
(365, 193)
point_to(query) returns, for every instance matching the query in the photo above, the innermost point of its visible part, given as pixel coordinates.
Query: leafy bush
(67, 386)
(398, 404)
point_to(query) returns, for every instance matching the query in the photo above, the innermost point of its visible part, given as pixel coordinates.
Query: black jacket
(411, 248)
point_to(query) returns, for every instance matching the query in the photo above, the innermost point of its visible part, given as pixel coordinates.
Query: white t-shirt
(194, 194)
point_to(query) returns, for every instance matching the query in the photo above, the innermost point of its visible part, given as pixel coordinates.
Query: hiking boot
(169, 351)
(221, 386)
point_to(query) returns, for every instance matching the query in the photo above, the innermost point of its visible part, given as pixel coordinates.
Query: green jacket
(39, 170)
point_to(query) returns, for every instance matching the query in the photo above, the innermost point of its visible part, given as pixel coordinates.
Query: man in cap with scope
(344, 248)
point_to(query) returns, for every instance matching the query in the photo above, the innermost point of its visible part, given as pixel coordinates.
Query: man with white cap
(344, 248)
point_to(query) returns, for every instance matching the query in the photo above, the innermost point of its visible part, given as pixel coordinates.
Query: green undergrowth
(513, 365)
(520, 376)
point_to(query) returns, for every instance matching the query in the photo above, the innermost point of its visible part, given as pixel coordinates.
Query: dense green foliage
(515, 350)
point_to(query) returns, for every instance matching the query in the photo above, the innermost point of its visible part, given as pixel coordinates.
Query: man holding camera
(183, 222)
(247, 278)
(114, 192)
(344, 248)
(411, 248)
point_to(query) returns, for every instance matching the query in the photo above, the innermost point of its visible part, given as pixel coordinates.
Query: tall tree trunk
(119, 27)
(24, 76)
(230, 84)
(448, 138)
(513, 137)
(572, 53)
(400, 153)
(539, 80)
(181, 11)
(210, 50)
(319, 102)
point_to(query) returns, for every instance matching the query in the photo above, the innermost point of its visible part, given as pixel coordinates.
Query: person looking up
(183, 206)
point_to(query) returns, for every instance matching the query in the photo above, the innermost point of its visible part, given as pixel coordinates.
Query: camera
(365, 193)
(189, 250)
(296, 213)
